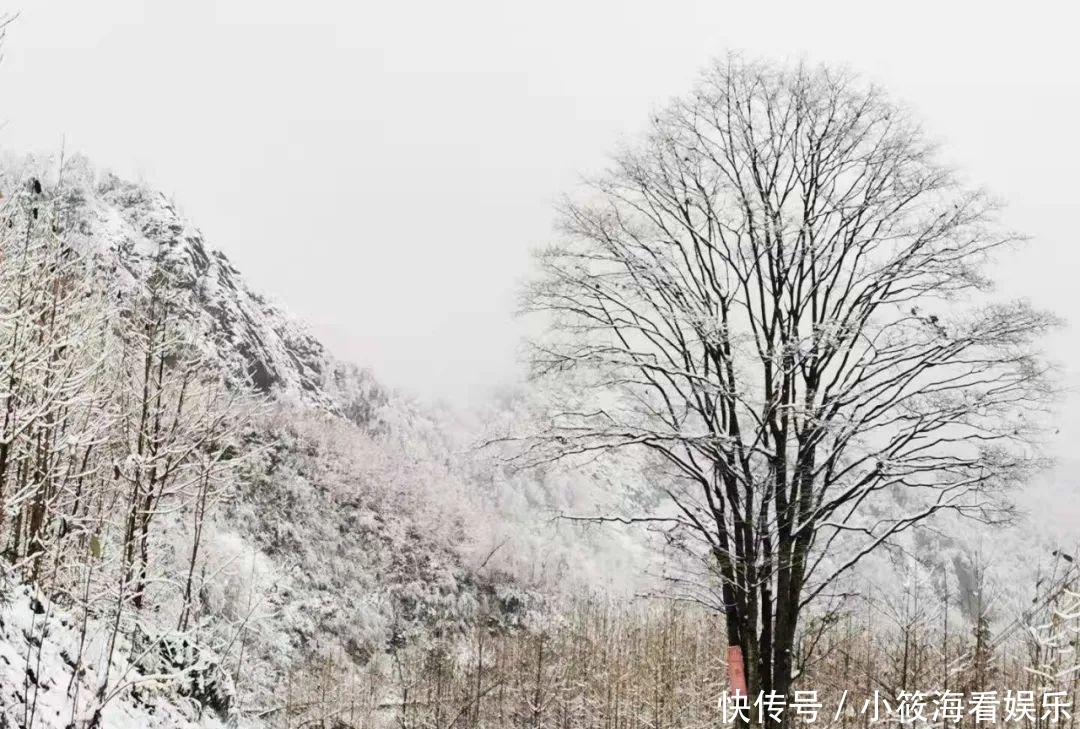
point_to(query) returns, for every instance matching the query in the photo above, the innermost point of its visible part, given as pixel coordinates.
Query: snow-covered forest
(781, 432)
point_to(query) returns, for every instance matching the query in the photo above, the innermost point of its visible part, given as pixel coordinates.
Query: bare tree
(51, 330)
(780, 293)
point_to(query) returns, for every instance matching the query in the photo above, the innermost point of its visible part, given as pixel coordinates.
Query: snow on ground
(39, 651)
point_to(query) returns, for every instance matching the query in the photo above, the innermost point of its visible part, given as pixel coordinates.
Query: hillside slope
(348, 534)
(40, 646)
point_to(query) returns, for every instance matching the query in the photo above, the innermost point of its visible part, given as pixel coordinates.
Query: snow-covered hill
(363, 524)
(133, 228)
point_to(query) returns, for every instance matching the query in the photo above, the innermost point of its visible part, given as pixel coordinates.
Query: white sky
(384, 168)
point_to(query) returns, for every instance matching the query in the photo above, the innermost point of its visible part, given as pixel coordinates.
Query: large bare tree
(780, 292)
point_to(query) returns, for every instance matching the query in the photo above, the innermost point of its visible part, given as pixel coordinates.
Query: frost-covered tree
(780, 293)
(118, 435)
(52, 334)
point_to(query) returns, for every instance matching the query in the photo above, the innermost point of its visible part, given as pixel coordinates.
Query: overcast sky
(383, 168)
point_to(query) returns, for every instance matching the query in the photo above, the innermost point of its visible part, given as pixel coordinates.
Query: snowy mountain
(361, 525)
(133, 228)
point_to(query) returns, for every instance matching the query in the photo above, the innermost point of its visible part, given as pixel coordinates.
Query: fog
(384, 168)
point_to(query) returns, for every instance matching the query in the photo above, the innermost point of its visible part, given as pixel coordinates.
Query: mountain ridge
(132, 228)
